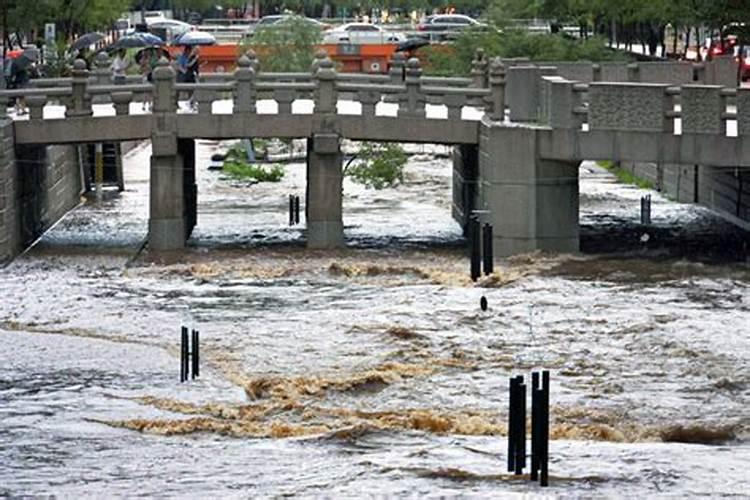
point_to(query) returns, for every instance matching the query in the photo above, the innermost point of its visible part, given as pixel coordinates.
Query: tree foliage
(286, 46)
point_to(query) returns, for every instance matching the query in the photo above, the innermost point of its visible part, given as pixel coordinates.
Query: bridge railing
(404, 87)
(644, 107)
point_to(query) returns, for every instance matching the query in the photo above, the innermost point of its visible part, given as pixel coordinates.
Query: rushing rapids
(371, 368)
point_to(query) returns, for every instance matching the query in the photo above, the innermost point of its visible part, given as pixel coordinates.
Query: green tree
(286, 46)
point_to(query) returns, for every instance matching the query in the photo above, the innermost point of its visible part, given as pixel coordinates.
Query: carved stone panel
(628, 106)
(702, 109)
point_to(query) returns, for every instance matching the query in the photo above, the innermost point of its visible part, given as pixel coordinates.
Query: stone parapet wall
(38, 185)
(9, 229)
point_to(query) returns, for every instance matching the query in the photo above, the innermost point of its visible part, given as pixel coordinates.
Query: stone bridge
(520, 131)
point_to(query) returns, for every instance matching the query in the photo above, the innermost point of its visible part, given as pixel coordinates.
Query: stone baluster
(497, 90)
(205, 100)
(455, 104)
(165, 97)
(562, 101)
(102, 71)
(36, 106)
(284, 99)
(396, 71)
(369, 100)
(479, 69)
(253, 58)
(244, 90)
(327, 97)
(319, 56)
(413, 101)
(596, 72)
(80, 102)
(122, 102)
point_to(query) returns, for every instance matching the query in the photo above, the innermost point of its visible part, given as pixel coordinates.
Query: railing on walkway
(404, 85)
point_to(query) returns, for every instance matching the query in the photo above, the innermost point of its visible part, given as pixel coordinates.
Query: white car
(362, 33)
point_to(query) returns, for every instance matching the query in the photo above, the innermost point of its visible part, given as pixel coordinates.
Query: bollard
(184, 355)
(487, 249)
(483, 303)
(520, 447)
(544, 434)
(99, 171)
(474, 248)
(296, 209)
(535, 421)
(646, 209)
(512, 405)
(196, 355)
(291, 209)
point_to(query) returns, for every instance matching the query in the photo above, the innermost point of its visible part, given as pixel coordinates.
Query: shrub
(379, 165)
(253, 172)
(237, 167)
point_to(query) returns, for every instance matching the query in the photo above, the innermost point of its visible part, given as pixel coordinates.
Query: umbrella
(86, 40)
(195, 38)
(412, 44)
(137, 40)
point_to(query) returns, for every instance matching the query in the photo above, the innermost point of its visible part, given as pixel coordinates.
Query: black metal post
(544, 435)
(291, 210)
(535, 404)
(512, 425)
(646, 209)
(474, 248)
(183, 354)
(296, 209)
(196, 355)
(520, 427)
(487, 249)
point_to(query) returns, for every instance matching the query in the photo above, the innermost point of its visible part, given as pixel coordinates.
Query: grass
(625, 176)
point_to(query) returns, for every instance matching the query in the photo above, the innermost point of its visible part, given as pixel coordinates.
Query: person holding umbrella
(22, 69)
(120, 66)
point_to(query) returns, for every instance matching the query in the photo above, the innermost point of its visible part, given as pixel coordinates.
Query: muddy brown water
(372, 369)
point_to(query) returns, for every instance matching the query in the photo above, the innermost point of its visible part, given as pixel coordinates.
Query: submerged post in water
(196, 355)
(487, 254)
(474, 248)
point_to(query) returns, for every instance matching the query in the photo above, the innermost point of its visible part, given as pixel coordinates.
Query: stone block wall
(10, 243)
(465, 173)
(38, 185)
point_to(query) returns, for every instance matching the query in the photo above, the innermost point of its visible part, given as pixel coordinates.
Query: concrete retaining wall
(726, 191)
(38, 185)
(465, 173)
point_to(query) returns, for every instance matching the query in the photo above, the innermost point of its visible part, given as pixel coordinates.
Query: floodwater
(371, 370)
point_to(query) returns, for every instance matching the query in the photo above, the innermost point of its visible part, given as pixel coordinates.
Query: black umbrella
(137, 40)
(86, 40)
(162, 53)
(412, 44)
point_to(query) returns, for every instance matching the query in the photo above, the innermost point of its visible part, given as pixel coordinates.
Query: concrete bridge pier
(532, 203)
(325, 227)
(173, 192)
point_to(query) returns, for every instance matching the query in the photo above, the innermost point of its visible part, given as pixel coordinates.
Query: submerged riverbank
(372, 368)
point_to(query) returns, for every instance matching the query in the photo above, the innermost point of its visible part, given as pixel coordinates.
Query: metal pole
(520, 426)
(544, 458)
(296, 209)
(183, 354)
(474, 248)
(487, 249)
(535, 425)
(511, 425)
(291, 210)
(196, 354)
(99, 170)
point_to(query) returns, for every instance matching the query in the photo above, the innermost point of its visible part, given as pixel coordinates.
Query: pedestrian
(149, 57)
(188, 67)
(23, 68)
(120, 66)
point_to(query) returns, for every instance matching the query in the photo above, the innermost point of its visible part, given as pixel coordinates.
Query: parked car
(362, 33)
(744, 62)
(447, 22)
(275, 19)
